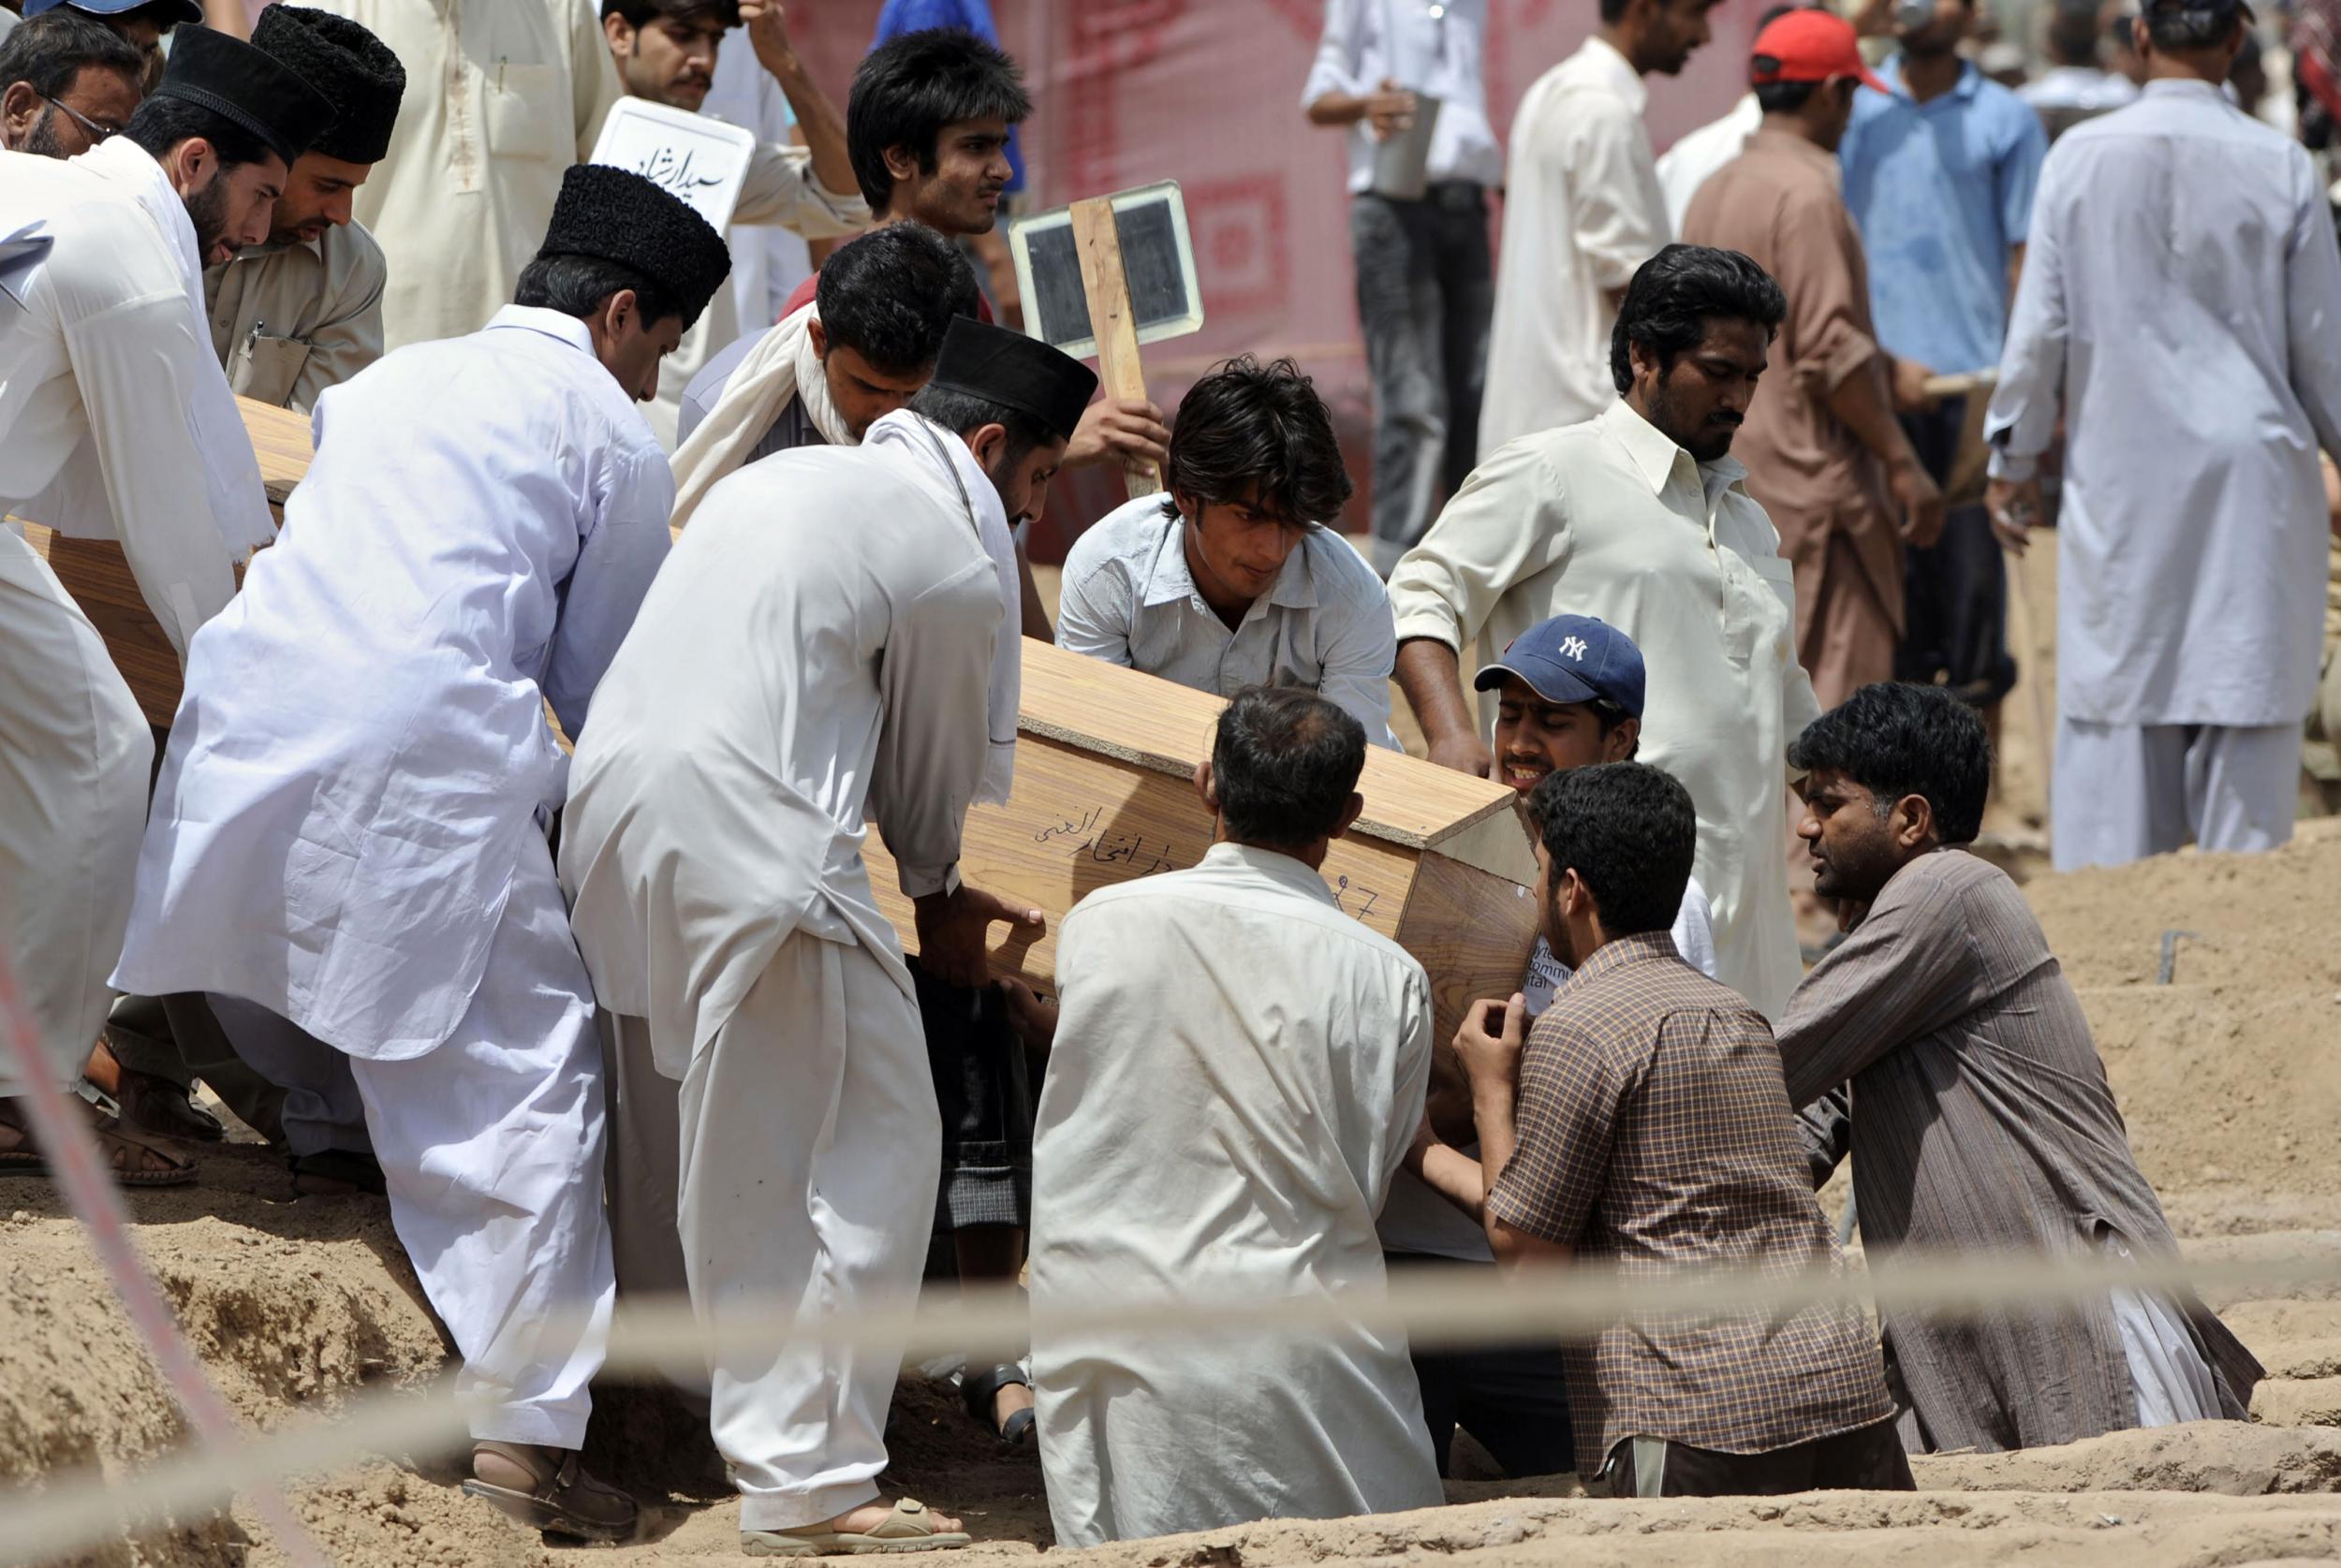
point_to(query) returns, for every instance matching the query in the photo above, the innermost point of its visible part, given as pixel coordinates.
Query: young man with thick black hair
(1642, 1127)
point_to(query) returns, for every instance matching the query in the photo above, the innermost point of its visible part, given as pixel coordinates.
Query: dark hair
(639, 13)
(578, 286)
(1674, 294)
(1258, 433)
(892, 294)
(1284, 762)
(53, 49)
(1895, 739)
(1628, 831)
(1613, 11)
(906, 90)
(965, 413)
(1779, 98)
(2182, 31)
(162, 123)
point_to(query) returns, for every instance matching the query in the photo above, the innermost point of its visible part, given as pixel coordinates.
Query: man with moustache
(66, 83)
(1642, 518)
(115, 423)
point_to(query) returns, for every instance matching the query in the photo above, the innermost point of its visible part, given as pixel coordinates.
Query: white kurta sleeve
(2312, 307)
(781, 188)
(1414, 1080)
(614, 567)
(138, 364)
(933, 682)
(1509, 521)
(2022, 420)
(1610, 172)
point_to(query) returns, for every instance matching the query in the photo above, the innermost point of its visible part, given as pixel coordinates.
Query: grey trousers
(1425, 299)
(179, 1039)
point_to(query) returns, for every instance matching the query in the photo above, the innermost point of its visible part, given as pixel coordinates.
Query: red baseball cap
(1810, 45)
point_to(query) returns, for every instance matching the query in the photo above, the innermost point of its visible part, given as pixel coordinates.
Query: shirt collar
(1970, 80)
(2175, 87)
(120, 160)
(1643, 947)
(1171, 582)
(269, 247)
(1654, 456)
(1270, 866)
(1619, 69)
(551, 323)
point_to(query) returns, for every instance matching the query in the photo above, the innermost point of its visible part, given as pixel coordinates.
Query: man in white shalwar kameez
(2181, 301)
(818, 654)
(1238, 1069)
(347, 849)
(115, 422)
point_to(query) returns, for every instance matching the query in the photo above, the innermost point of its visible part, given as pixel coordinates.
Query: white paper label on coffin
(702, 161)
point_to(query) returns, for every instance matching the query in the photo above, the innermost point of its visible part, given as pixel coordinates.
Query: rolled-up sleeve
(1509, 521)
(1566, 1121)
(1335, 67)
(781, 189)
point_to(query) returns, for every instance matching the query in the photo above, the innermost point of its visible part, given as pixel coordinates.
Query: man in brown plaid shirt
(1644, 1125)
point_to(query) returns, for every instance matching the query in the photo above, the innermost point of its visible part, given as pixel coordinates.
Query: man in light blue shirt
(1229, 581)
(1938, 175)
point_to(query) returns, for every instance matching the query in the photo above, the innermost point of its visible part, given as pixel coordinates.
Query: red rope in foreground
(80, 1170)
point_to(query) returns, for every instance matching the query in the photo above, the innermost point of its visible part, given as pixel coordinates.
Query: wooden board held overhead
(1105, 792)
(98, 576)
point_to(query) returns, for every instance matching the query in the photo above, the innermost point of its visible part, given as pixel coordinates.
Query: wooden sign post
(1106, 275)
(1108, 288)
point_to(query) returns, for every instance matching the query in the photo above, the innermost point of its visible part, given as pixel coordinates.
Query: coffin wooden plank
(98, 573)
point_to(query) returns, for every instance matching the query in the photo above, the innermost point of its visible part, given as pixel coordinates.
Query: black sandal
(978, 1390)
(335, 1173)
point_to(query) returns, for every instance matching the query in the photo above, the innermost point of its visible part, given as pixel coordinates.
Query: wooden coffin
(1105, 765)
(98, 575)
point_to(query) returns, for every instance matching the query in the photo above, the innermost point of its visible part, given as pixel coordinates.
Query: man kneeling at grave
(1236, 1071)
(1981, 1113)
(1644, 1128)
(1570, 693)
(1231, 577)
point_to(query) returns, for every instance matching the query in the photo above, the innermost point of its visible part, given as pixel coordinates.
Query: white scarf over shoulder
(780, 366)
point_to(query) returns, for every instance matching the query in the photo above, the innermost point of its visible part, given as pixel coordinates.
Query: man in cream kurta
(347, 849)
(303, 312)
(711, 848)
(114, 423)
(503, 97)
(1615, 518)
(1582, 210)
(1238, 1069)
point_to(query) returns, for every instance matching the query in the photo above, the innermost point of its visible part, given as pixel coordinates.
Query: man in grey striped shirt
(1981, 1117)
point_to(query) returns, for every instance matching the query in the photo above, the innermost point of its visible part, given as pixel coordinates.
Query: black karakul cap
(1024, 374)
(249, 86)
(348, 63)
(617, 215)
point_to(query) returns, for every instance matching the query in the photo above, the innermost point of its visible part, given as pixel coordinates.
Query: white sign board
(702, 161)
(1158, 259)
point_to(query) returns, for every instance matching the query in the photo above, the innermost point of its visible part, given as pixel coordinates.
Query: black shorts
(1866, 1459)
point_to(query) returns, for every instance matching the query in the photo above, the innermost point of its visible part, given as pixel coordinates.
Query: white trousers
(75, 753)
(491, 1147)
(2119, 793)
(810, 1148)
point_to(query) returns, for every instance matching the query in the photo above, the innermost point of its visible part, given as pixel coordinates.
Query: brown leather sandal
(137, 1159)
(546, 1488)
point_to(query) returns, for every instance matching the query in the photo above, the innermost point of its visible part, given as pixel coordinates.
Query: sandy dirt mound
(2230, 1076)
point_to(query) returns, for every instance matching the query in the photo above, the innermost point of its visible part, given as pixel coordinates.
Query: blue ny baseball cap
(1572, 658)
(188, 10)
